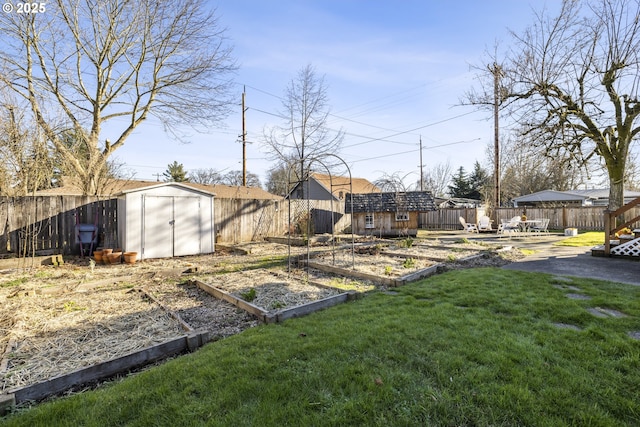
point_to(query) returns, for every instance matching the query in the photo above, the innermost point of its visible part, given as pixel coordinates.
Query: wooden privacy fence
(45, 225)
(582, 218)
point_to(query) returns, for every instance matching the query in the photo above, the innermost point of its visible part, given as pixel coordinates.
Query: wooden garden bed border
(281, 315)
(190, 342)
(104, 370)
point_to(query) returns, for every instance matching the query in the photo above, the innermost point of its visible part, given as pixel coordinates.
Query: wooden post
(607, 232)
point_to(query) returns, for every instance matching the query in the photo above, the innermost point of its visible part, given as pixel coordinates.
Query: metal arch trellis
(308, 204)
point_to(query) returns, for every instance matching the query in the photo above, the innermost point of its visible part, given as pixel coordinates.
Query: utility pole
(421, 176)
(244, 142)
(496, 70)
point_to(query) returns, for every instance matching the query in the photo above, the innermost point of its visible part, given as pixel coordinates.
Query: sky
(396, 73)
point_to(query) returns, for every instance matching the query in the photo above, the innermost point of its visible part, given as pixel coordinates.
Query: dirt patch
(55, 320)
(269, 290)
(379, 265)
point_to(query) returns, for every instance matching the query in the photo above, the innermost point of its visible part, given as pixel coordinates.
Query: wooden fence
(582, 218)
(45, 225)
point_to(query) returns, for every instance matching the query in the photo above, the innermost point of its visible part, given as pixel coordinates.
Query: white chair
(541, 227)
(484, 224)
(468, 227)
(509, 226)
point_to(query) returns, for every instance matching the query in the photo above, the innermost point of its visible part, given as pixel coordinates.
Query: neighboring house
(327, 187)
(116, 186)
(457, 202)
(388, 214)
(572, 198)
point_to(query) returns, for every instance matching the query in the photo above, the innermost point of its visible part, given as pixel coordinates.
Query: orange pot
(130, 257)
(114, 257)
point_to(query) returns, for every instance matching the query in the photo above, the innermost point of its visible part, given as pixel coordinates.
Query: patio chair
(484, 224)
(542, 227)
(508, 226)
(468, 227)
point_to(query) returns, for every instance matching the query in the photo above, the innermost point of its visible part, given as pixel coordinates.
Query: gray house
(326, 187)
(552, 198)
(388, 214)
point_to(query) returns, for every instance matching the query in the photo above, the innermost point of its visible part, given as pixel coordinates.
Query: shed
(388, 214)
(166, 220)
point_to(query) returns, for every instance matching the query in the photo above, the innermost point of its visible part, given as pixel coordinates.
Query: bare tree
(278, 180)
(26, 161)
(208, 176)
(235, 178)
(574, 80)
(83, 64)
(306, 135)
(436, 179)
(526, 169)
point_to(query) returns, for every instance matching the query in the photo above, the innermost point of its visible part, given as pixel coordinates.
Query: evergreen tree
(460, 187)
(478, 182)
(175, 173)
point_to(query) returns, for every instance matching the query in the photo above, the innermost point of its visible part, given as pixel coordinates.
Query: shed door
(186, 226)
(157, 231)
(171, 226)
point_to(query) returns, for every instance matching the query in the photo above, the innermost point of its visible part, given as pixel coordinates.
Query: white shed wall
(166, 221)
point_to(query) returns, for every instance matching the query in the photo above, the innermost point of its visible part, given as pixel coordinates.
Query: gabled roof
(183, 185)
(410, 201)
(571, 195)
(118, 186)
(341, 184)
(551, 195)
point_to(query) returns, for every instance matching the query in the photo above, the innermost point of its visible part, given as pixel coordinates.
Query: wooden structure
(391, 214)
(630, 247)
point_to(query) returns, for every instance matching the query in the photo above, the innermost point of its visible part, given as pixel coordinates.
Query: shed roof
(410, 201)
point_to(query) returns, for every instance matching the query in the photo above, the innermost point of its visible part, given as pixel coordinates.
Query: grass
(590, 238)
(468, 347)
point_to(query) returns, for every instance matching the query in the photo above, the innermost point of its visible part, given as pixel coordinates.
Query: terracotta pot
(114, 257)
(97, 257)
(130, 257)
(106, 252)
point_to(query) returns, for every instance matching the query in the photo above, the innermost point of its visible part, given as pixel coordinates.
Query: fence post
(607, 232)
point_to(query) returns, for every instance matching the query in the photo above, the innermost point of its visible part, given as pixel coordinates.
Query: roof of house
(341, 183)
(410, 201)
(572, 195)
(119, 186)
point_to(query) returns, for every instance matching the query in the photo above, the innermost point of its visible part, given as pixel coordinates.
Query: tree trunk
(616, 194)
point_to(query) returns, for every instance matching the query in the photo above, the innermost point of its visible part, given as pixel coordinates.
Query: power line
(413, 151)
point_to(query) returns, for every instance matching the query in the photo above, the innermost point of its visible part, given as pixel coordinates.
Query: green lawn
(589, 238)
(477, 347)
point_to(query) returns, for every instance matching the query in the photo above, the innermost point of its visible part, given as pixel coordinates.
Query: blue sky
(395, 71)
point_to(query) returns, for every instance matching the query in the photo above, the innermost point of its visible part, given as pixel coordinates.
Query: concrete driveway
(579, 262)
(563, 260)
